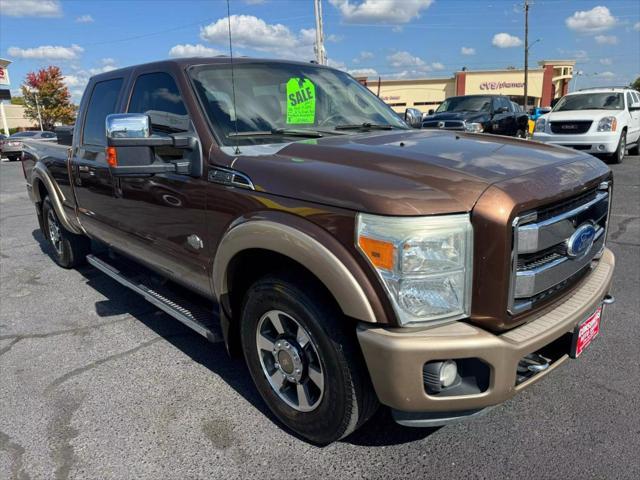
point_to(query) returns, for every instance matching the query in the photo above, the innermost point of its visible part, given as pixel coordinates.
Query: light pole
(35, 94)
(321, 54)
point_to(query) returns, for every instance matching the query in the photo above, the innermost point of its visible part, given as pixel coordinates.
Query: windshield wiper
(278, 132)
(364, 126)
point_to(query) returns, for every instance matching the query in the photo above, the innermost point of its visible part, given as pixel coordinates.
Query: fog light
(448, 373)
(439, 375)
(600, 147)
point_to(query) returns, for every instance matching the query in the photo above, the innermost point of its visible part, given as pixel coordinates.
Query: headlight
(425, 263)
(474, 127)
(607, 124)
(540, 124)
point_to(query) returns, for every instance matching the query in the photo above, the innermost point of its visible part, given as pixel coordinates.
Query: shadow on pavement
(380, 430)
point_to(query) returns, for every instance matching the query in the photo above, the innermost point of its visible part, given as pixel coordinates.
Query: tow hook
(534, 363)
(609, 299)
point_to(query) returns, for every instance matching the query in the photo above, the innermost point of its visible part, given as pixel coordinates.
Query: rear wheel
(68, 250)
(522, 134)
(304, 360)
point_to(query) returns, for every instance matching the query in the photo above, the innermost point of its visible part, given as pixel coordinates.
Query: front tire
(67, 249)
(618, 155)
(304, 359)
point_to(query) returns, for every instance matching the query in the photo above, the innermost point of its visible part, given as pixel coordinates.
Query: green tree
(17, 100)
(53, 97)
(636, 84)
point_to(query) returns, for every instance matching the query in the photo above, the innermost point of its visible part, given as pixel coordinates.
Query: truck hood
(406, 172)
(454, 116)
(581, 115)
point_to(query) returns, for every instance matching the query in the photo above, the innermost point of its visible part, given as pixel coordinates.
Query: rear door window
(102, 103)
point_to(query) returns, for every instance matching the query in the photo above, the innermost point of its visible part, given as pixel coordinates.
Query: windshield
(590, 101)
(279, 99)
(24, 134)
(465, 104)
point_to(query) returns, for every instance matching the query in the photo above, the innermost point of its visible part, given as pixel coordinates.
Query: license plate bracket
(585, 332)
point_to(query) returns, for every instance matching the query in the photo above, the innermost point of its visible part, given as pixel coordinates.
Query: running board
(194, 316)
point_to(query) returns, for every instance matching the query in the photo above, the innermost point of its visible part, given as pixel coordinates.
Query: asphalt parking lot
(96, 383)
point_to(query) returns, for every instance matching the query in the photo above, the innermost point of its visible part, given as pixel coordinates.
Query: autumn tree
(53, 97)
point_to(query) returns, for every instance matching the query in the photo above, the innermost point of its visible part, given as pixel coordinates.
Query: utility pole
(321, 54)
(38, 108)
(526, 55)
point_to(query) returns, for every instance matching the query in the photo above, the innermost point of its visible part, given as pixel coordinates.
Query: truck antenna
(233, 83)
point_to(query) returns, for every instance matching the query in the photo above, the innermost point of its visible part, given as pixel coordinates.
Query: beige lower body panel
(395, 357)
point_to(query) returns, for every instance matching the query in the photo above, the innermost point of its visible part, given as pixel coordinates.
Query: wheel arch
(271, 243)
(44, 185)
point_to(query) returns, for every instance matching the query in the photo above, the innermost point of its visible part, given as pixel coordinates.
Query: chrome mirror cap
(413, 117)
(128, 125)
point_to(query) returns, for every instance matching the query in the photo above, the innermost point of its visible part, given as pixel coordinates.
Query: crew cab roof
(183, 63)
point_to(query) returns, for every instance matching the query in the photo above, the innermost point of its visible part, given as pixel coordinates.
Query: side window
(504, 102)
(102, 103)
(629, 100)
(157, 95)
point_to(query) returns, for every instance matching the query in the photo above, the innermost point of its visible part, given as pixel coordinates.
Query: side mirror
(431, 111)
(413, 117)
(501, 110)
(131, 143)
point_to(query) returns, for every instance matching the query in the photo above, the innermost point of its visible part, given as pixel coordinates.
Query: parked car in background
(13, 146)
(479, 114)
(603, 121)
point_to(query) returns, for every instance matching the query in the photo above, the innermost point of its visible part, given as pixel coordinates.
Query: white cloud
(504, 40)
(85, 19)
(254, 33)
(336, 64)
(363, 72)
(437, 66)
(254, 2)
(606, 61)
(468, 51)
(188, 50)
(380, 11)
(607, 74)
(30, 8)
(48, 52)
(636, 26)
(596, 20)
(606, 39)
(74, 80)
(404, 59)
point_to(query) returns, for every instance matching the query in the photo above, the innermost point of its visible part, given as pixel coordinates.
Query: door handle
(83, 168)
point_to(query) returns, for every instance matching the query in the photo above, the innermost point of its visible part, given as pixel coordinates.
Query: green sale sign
(301, 101)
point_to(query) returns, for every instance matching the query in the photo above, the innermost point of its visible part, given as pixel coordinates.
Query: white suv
(602, 121)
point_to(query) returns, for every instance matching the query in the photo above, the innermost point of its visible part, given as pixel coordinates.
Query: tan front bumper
(395, 357)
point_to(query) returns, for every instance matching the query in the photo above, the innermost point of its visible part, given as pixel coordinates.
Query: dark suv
(479, 113)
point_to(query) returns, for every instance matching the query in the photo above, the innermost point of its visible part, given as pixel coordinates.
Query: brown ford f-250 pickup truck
(353, 260)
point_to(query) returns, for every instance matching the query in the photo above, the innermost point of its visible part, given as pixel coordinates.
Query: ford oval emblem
(440, 124)
(581, 241)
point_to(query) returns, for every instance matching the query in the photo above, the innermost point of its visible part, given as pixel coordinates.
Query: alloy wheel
(55, 232)
(290, 360)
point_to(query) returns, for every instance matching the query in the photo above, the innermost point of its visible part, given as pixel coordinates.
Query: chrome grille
(444, 124)
(542, 264)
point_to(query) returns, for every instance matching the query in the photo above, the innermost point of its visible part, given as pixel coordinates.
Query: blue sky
(391, 38)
